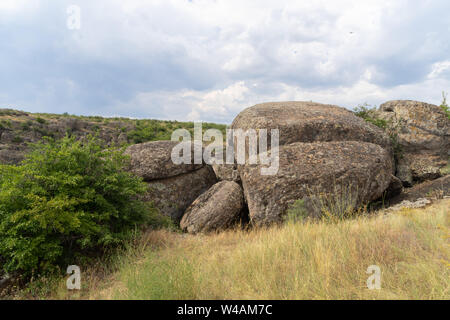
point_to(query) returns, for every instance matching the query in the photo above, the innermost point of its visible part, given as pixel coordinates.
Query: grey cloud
(139, 62)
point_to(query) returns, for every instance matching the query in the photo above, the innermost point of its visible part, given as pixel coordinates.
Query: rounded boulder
(216, 209)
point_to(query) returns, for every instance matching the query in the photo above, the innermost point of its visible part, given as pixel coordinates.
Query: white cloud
(222, 105)
(8, 6)
(438, 68)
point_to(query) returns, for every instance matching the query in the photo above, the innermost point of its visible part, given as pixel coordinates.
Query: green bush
(17, 139)
(444, 105)
(296, 211)
(66, 201)
(6, 123)
(43, 132)
(26, 126)
(41, 120)
(368, 114)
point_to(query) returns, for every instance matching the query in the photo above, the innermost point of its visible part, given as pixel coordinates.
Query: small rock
(419, 203)
(216, 209)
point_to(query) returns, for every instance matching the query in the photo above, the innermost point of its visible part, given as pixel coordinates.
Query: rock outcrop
(217, 209)
(171, 187)
(424, 136)
(226, 172)
(324, 151)
(395, 188)
(309, 122)
(439, 188)
(172, 196)
(152, 160)
(307, 170)
(323, 148)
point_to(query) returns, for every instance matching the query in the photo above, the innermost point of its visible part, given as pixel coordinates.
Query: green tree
(67, 200)
(444, 105)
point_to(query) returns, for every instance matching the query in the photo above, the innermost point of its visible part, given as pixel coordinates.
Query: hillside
(18, 128)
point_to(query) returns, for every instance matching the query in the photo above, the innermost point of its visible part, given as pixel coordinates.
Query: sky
(207, 60)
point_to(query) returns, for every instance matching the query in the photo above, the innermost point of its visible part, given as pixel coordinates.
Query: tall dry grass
(297, 260)
(309, 260)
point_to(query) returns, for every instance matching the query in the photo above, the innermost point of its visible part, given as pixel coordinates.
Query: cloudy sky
(209, 59)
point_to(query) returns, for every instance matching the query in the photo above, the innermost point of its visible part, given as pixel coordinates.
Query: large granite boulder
(173, 195)
(217, 209)
(152, 160)
(299, 121)
(424, 136)
(171, 187)
(309, 169)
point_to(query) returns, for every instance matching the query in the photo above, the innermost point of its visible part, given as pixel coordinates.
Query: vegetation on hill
(153, 130)
(67, 200)
(18, 128)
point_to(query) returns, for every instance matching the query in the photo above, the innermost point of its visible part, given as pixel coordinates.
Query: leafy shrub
(6, 123)
(67, 200)
(296, 211)
(26, 126)
(368, 114)
(40, 120)
(43, 132)
(17, 139)
(444, 105)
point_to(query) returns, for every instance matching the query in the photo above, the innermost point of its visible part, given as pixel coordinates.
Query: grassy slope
(294, 261)
(35, 125)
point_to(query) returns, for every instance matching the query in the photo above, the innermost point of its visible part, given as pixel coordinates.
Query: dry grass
(298, 260)
(301, 261)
